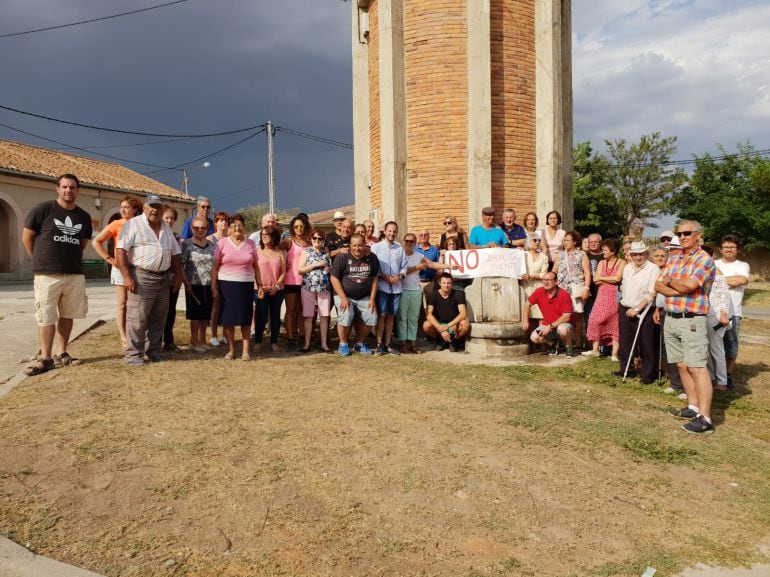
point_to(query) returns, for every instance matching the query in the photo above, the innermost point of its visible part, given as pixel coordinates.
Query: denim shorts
(387, 303)
(360, 307)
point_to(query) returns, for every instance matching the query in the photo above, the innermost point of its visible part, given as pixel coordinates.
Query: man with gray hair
(269, 220)
(685, 282)
(203, 211)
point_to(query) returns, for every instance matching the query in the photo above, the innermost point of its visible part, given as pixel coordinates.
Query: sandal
(229, 357)
(41, 366)
(65, 360)
(245, 357)
(416, 350)
(304, 349)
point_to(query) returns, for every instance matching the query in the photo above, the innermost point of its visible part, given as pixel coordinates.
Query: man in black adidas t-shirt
(55, 235)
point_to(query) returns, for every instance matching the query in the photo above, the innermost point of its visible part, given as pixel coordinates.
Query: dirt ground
(321, 466)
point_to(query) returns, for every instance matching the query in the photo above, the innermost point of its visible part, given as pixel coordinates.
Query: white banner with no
(485, 262)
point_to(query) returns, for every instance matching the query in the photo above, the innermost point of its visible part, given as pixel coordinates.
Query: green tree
(641, 178)
(729, 194)
(595, 207)
(253, 215)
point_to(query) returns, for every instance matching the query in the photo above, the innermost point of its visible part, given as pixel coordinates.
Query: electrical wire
(205, 156)
(46, 29)
(119, 131)
(72, 147)
(314, 138)
(123, 145)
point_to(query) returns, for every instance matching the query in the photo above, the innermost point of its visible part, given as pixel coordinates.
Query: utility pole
(270, 179)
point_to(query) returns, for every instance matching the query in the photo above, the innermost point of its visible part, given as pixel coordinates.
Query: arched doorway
(10, 239)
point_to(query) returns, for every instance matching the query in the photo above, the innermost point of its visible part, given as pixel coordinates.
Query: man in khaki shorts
(685, 283)
(55, 235)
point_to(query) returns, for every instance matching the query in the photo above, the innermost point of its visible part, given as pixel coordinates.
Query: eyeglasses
(206, 206)
(686, 232)
(200, 228)
(409, 241)
(318, 238)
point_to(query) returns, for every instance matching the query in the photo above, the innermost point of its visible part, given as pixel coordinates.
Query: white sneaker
(614, 359)
(215, 342)
(682, 396)
(222, 340)
(590, 353)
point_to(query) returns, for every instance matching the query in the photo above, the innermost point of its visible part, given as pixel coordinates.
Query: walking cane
(636, 336)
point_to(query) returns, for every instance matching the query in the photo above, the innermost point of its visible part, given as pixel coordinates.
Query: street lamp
(186, 177)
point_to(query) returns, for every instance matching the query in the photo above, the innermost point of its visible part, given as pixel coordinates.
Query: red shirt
(552, 307)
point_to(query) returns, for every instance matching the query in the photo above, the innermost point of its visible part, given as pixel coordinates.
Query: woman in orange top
(130, 206)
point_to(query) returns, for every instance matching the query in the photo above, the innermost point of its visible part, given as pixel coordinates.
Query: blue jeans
(268, 305)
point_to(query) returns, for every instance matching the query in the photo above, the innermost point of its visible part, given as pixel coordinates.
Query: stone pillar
(361, 143)
(479, 109)
(392, 110)
(553, 45)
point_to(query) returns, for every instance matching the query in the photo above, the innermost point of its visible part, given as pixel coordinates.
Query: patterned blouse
(314, 280)
(197, 261)
(570, 268)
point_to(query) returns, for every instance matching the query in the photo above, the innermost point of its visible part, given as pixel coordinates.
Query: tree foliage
(596, 208)
(730, 195)
(253, 214)
(641, 178)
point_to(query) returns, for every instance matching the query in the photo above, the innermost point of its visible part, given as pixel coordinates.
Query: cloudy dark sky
(694, 69)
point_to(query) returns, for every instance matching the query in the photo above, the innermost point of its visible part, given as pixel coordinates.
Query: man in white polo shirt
(737, 274)
(147, 252)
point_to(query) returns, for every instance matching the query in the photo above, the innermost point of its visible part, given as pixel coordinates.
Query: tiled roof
(26, 160)
(326, 216)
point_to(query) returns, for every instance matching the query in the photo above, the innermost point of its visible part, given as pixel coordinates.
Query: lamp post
(186, 176)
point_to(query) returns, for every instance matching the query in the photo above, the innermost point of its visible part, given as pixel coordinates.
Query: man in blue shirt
(486, 234)
(392, 270)
(516, 234)
(204, 210)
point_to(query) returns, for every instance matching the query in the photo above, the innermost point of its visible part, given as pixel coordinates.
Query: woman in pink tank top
(294, 244)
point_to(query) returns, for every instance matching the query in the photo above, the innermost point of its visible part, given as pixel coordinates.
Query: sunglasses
(206, 206)
(410, 241)
(448, 222)
(200, 228)
(686, 232)
(298, 226)
(318, 238)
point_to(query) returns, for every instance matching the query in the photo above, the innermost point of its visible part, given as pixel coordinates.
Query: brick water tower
(461, 104)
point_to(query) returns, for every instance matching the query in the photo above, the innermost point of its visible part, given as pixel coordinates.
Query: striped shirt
(144, 248)
(698, 266)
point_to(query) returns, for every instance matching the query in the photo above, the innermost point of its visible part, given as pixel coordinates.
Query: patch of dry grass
(316, 465)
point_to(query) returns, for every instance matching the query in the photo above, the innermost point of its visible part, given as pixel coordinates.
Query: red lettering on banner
(454, 262)
(475, 255)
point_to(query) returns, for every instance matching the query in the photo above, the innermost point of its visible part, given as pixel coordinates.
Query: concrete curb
(11, 384)
(16, 561)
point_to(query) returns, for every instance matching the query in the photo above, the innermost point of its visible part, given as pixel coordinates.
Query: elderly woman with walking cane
(637, 330)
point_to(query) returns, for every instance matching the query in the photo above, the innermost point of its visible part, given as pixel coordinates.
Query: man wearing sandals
(55, 235)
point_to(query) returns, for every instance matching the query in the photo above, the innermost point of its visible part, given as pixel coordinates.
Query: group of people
(672, 310)
(674, 302)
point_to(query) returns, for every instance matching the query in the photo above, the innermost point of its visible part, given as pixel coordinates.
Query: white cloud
(698, 70)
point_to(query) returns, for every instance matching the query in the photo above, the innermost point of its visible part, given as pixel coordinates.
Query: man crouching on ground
(556, 307)
(446, 320)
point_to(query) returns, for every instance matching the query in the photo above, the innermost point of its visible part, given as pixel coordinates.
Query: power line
(69, 146)
(91, 20)
(593, 167)
(205, 156)
(154, 134)
(314, 138)
(130, 145)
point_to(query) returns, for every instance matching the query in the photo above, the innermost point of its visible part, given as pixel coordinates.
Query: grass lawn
(315, 465)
